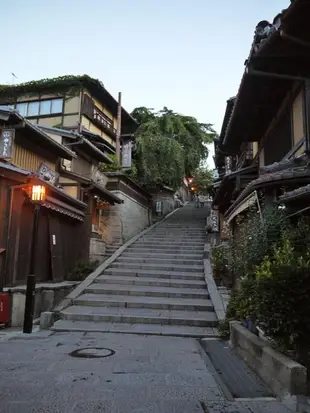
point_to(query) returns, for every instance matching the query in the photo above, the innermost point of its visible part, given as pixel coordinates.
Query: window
(45, 107)
(6, 106)
(33, 108)
(38, 107)
(57, 105)
(22, 108)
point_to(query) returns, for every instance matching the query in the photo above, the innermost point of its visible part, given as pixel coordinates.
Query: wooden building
(270, 116)
(77, 103)
(27, 157)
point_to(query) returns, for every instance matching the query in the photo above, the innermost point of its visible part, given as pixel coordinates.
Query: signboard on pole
(126, 154)
(6, 143)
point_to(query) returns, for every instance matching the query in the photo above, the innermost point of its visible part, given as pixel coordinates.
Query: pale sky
(186, 55)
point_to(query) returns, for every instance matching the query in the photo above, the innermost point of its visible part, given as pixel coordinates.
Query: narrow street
(91, 361)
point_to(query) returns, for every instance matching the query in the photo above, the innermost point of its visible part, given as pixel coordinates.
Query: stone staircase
(156, 286)
(111, 249)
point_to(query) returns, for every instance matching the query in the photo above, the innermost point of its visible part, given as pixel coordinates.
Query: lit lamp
(37, 195)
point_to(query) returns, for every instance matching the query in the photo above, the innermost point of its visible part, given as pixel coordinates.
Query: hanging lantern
(37, 193)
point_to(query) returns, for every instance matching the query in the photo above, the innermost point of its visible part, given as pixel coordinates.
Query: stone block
(46, 320)
(285, 377)
(37, 304)
(18, 308)
(47, 300)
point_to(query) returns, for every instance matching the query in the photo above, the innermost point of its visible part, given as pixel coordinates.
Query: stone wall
(47, 296)
(166, 197)
(184, 193)
(119, 223)
(284, 376)
(97, 249)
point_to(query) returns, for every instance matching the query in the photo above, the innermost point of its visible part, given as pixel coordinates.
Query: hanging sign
(159, 207)
(6, 143)
(126, 154)
(47, 174)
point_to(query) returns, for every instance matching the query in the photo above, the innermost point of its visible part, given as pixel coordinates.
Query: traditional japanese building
(270, 118)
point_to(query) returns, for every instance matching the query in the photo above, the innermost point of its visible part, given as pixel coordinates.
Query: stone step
(165, 267)
(174, 242)
(125, 328)
(156, 274)
(171, 231)
(172, 255)
(165, 248)
(170, 246)
(148, 281)
(174, 237)
(146, 291)
(140, 316)
(167, 261)
(128, 301)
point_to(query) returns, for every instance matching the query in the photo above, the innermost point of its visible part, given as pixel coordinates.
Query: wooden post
(118, 129)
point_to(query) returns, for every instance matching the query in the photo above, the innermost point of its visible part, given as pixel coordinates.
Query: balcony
(95, 115)
(246, 156)
(103, 121)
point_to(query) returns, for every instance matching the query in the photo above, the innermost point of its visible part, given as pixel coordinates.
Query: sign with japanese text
(6, 143)
(47, 174)
(126, 154)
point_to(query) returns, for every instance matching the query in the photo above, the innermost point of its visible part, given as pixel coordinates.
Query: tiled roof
(296, 193)
(275, 178)
(285, 164)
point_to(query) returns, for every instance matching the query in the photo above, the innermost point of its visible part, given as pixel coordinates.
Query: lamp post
(37, 195)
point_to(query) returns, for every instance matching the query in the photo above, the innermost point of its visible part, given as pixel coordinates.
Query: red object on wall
(4, 308)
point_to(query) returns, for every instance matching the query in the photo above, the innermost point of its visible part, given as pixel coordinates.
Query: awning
(63, 211)
(245, 204)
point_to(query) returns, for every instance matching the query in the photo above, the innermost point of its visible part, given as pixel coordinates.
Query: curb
(98, 271)
(212, 288)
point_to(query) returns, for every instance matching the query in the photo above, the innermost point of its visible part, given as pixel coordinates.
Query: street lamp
(37, 195)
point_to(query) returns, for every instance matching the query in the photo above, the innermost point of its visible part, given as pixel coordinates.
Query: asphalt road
(141, 374)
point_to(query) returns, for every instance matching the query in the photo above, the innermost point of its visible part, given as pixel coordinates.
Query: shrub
(273, 260)
(241, 304)
(255, 240)
(282, 305)
(223, 329)
(220, 265)
(82, 270)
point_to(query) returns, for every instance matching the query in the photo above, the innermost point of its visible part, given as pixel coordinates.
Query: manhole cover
(92, 352)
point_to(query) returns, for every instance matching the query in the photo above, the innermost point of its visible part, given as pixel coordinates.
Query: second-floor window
(39, 107)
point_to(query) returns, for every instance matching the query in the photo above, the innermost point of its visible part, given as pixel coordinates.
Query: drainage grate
(241, 381)
(92, 352)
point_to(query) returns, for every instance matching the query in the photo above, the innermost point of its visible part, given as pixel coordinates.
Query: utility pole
(118, 128)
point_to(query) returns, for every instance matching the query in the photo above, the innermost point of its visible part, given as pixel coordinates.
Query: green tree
(169, 146)
(203, 178)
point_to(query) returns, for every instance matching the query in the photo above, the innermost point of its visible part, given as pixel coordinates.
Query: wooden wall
(54, 261)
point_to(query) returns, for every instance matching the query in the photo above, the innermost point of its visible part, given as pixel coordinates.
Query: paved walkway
(146, 374)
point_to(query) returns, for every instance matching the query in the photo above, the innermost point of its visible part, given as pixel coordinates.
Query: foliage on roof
(53, 85)
(71, 84)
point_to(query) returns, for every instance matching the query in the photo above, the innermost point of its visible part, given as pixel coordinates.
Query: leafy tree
(203, 179)
(169, 146)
